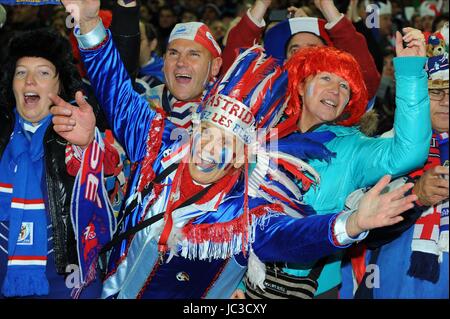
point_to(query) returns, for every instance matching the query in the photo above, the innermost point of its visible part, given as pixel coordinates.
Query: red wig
(310, 61)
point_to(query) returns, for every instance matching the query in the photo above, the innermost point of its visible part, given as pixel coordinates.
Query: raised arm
(247, 32)
(408, 148)
(305, 240)
(346, 38)
(128, 115)
(125, 32)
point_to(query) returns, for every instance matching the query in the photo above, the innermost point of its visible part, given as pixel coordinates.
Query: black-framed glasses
(438, 95)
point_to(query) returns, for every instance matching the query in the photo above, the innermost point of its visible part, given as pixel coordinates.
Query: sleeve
(127, 113)
(243, 35)
(287, 239)
(346, 38)
(126, 35)
(408, 149)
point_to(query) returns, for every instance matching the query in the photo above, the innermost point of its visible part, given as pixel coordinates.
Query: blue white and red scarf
(430, 236)
(91, 212)
(22, 206)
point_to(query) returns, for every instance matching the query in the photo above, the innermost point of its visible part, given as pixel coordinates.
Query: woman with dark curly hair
(37, 243)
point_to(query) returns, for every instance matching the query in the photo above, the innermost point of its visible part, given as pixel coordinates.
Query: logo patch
(26, 234)
(182, 276)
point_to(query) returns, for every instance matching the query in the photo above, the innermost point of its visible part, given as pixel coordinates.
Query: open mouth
(183, 78)
(31, 98)
(205, 164)
(329, 103)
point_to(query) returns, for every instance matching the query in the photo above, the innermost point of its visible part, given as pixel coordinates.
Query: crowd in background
(159, 17)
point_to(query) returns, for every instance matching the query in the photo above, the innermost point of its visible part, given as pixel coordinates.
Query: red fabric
(357, 255)
(346, 38)
(243, 35)
(187, 190)
(110, 164)
(153, 145)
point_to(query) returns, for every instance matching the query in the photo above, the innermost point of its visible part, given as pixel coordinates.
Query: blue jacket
(134, 267)
(361, 161)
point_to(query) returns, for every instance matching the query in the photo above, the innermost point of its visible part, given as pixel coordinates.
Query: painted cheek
(310, 89)
(225, 158)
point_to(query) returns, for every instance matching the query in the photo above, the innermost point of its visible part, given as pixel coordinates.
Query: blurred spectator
(385, 104)
(58, 21)
(428, 12)
(150, 63)
(210, 13)
(416, 21)
(219, 30)
(439, 22)
(166, 21)
(145, 13)
(189, 15)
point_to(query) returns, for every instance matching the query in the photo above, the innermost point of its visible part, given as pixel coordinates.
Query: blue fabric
(57, 284)
(119, 91)
(393, 263)
(361, 161)
(154, 68)
(21, 168)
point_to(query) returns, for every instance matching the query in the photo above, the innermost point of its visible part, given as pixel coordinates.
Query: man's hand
(74, 124)
(328, 9)
(259, 9)
(415, 43)
(432, 188)
(85, 13)
(376, 210)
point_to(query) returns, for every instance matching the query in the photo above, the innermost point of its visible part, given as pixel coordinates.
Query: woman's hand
(379, 210)
(75, 124)
(415, 43)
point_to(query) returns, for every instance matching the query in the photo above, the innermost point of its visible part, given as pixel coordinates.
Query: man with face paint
(211, 222)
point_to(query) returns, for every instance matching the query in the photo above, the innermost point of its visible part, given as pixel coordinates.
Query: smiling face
(214, 154)
(324, 97)
(188, 67)
(34, 78)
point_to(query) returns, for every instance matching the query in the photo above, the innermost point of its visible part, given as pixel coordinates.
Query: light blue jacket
(361, 161)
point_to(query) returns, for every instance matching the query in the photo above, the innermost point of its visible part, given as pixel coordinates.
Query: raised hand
(431, 187)
(85, 12)
(378, 210)
(328, 9)
(75, 124)
(259, 9)
(415, 43)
